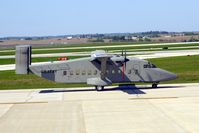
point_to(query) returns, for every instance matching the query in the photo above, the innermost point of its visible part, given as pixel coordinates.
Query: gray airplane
(99, 70)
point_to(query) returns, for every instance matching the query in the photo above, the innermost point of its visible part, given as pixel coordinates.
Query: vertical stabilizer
(22, 59)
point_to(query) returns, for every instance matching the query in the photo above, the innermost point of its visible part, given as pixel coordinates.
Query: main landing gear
(154, 85)
(99, 88)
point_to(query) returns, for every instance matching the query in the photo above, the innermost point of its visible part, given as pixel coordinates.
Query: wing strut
(103, 67)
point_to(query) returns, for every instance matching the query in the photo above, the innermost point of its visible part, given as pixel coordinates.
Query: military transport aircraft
(99, 70)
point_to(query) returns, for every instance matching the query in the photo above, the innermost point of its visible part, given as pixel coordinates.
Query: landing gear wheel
(155, 85)
(99, 88)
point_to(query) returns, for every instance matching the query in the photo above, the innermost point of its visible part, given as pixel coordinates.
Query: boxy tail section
(23, 59)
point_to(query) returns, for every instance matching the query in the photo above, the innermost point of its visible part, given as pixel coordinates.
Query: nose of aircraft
(165, 75)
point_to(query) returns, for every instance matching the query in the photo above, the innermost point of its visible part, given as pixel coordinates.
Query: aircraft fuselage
(80, 70)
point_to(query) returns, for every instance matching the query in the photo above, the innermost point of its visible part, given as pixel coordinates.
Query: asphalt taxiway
(169, 108)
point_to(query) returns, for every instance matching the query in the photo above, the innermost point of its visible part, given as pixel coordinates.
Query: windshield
(149, 65)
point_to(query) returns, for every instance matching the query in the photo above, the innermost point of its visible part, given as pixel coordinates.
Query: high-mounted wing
(102, 57)
(98, 54)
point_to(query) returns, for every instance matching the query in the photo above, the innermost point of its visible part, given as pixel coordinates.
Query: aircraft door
(136, 69)
(136, 72)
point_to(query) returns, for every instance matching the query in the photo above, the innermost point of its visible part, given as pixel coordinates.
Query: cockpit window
(153, 66)
(149, 65)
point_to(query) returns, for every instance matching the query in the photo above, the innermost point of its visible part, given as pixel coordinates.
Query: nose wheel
(99, 88)
(154, 85)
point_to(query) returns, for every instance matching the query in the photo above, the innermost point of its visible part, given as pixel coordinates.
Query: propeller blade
(125, 54)
(125, 65)
(123, 71)
(125, 60)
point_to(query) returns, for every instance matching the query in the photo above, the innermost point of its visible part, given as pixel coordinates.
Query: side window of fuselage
(71, 72)
(129, 71)
(95, 72)
(89, 72)
(113, 71)
(77, 72)
(83, 72)
(119, 71)
(107, 71)
(64, 73)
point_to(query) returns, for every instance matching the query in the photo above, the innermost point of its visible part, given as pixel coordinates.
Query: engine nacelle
(118, 59)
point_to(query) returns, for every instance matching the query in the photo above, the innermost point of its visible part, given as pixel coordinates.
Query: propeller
(124, 63)
(125, 58)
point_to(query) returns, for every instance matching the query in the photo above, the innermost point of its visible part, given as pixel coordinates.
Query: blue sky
(60, 17)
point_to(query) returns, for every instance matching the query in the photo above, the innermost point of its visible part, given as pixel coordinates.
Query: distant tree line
(190, 33)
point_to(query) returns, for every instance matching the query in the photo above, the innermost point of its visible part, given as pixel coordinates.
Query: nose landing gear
(154, 85)
(99, 88)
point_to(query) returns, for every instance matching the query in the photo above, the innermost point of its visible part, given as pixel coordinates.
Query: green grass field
(39, 59)
(186, 67)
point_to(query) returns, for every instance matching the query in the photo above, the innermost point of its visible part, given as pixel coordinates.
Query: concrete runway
(169, 108)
